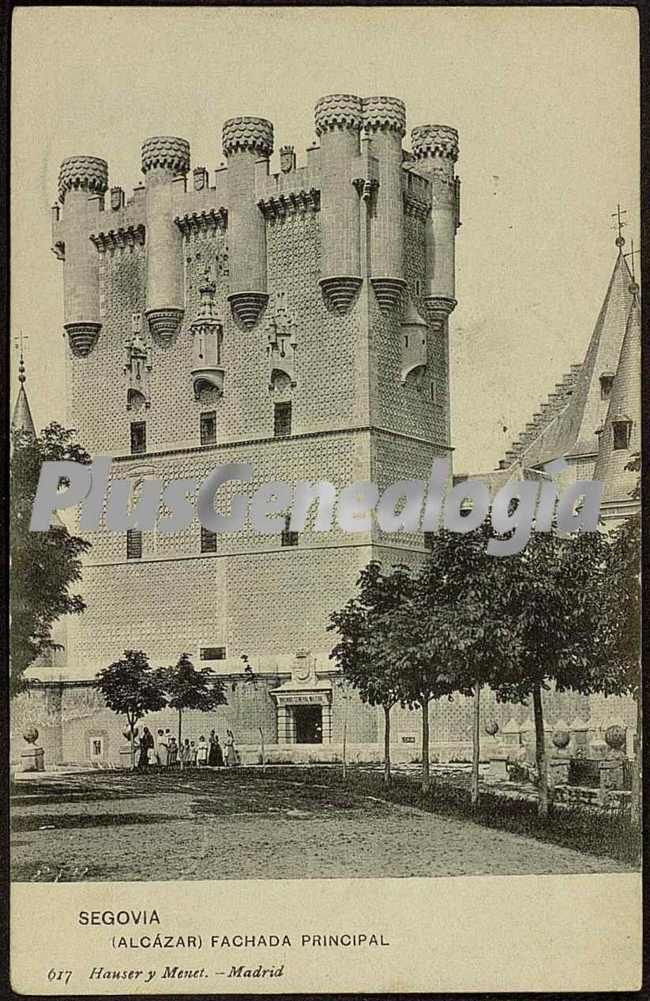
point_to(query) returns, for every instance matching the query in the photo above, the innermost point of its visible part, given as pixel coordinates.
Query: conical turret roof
(625, 408)
(22, 416)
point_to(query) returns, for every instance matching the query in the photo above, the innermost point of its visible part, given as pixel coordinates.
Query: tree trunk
(262, 746)
(476, 744)
(425, 746)
(132, 731)
(387, 744)
(637, 787)
(540, 752)
(345, 764)
(179, 728)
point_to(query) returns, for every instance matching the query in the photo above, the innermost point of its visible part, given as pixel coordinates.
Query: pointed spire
(22, 417)
(620, 437)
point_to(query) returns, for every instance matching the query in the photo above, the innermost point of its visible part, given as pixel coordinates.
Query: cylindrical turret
(435, 150)
(384, 120)
(81, 177)
(339, 119)
(164, 159)
(246, 141)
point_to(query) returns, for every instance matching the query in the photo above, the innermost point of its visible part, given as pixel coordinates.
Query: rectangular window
(621, 431)
(288, 537)
(133, 544)
(282, 420)
(209, 428)
(138, 437)
(212, 653)
(96, 747)
(208, 541)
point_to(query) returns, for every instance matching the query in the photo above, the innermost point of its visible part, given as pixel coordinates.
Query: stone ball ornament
(615, 737)
(561, 739)
(31, 735)
(492, 728)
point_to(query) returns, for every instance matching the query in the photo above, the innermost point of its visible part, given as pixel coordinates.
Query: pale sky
(546, 101)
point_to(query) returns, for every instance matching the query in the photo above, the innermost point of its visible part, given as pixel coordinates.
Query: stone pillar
(33, 759)
(435, 150)
(327, 723)
(384, 120)
(338, 120)
(165, 159)
(81, 178)
(246, 142)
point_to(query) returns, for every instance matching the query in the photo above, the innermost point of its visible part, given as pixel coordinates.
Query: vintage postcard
(325, 500)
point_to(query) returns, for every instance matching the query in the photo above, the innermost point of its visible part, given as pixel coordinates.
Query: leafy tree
(459, 596)
(43, 564)
(365, 652)
(553, 604)
(187, 688)
(621, 628)
(131, 688)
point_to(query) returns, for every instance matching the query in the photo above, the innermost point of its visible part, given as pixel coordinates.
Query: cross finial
(620, 241)
(19, 342)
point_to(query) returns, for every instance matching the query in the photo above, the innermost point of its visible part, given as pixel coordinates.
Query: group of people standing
(164, 751)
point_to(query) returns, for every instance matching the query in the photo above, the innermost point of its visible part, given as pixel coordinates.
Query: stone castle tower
(295, 321)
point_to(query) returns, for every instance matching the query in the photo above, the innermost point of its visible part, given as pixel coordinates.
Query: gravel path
(95, 828)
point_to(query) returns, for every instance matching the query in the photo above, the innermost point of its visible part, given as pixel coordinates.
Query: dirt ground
(230, 825)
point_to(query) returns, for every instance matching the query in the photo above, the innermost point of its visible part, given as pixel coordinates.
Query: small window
(208, 541)
(96, 747)
(621, 430)
(406, 340)
(288, 538)
(209, 427)
(606, 382)
(138, 437)
(282, 420)
(133, 544)
(428, 540)
(212, 653)
(417, 286)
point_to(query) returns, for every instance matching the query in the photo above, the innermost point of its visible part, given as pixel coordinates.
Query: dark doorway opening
(309, 724)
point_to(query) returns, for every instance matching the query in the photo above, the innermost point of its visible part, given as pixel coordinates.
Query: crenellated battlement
(434, 140)
(247, 135)
(360, 181)
(167, 153)
(385, 113)
(83, 173)
(338, 111)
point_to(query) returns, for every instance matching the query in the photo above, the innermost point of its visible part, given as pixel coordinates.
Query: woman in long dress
(212, 753)
(231, 754)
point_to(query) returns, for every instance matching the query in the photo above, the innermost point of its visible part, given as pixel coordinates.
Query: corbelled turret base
(389, 292)
(82, 337)
(340, 292)
(164, 324)
(247, 307)
(438, 309)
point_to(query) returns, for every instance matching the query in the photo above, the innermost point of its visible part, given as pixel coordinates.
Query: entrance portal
(308, 721)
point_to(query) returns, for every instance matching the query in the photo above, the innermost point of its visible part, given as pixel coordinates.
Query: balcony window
(208, 541)
(282, 420)
(209, 428)
(288, 537)
(133, 544)
(138, 437)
